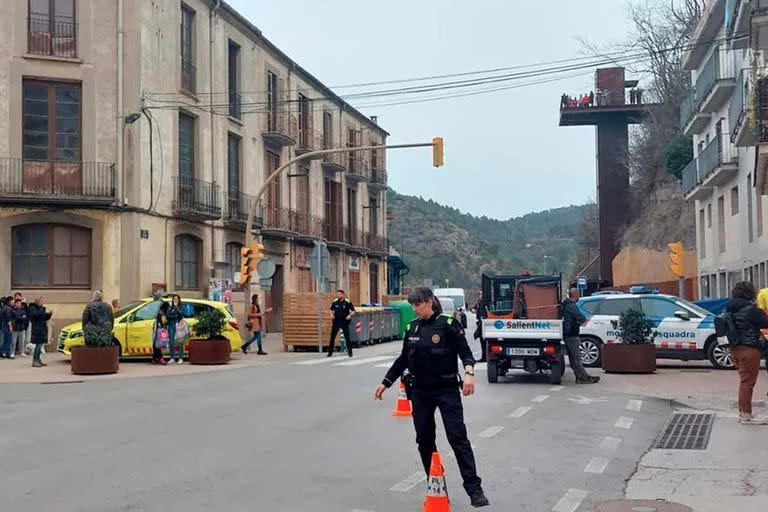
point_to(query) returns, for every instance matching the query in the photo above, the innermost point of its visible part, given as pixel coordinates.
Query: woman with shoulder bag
(175, 317)
(160, 334)
(746, 347)
(254, 325)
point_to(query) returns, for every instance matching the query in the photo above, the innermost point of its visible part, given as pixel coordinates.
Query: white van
(456, 295)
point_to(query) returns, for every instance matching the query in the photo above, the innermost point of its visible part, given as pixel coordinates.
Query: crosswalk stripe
(322, 360)
(366, 360)
(410, 482)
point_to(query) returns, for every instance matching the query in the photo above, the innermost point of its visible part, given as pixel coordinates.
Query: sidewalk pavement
(732, 472)
(20, 370)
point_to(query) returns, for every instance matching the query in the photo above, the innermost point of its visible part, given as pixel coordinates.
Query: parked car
(684, 331)
(133, 326)
(459, 301)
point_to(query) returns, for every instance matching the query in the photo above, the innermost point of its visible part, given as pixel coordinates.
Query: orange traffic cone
(403, 407)
(437, 491)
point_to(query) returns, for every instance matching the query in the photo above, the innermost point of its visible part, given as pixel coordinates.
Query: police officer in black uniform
(432, 345)
(341, 312)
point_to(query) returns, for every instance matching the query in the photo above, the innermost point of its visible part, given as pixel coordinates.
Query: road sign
(236, 277)
(266, 268)
(581, 283)
(321, 261)
(265, 284)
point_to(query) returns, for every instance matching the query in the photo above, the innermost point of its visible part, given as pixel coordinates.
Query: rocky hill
(439, 242)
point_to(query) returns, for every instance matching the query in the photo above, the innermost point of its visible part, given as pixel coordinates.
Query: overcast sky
(504, 152)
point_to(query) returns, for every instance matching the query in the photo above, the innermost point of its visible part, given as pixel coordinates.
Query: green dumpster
(406, 314)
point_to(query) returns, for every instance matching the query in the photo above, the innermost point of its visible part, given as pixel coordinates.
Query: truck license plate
(522, 351)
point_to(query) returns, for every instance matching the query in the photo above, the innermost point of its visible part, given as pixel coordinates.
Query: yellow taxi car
(133, 326)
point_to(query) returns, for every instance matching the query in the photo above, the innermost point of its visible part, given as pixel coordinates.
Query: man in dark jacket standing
(341, 313)
(38, 317)
(746, 345)
(97, 314)
(6, 317)
(572, 321)
(481, 312)
(19, 325)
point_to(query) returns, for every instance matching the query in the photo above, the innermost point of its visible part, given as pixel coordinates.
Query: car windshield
(693, 307)
(128, 307)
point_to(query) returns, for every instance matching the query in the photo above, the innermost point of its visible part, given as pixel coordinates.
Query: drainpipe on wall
(210, 108)
(120, 114)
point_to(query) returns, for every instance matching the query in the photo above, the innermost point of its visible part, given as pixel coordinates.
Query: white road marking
(557, 388)
(539, 398)
(634, 405)
(490, 432)
(360, 510)
(365, 360)
(624, 422)
(481, 366)
(597, 465)
(610, 443)
(322, 360)
(382, 365)
(410, 482)
(520, 412)
(585, 400)
(570, 501)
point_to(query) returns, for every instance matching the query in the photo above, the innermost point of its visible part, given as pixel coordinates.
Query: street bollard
(343, 347)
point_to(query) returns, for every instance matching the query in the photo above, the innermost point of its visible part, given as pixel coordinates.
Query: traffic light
(437, 151)
(247, 263)
(676, 264)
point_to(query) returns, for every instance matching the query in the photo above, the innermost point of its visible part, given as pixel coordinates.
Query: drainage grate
(685, 431)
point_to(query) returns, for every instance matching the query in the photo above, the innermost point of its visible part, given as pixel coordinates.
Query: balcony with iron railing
(188, 75)
(56, 182)
(280, 127)
(716, 81)
(358, 168)
(195, 199)
(335, 233)
(356, 239)
(378, 181)
(278, 221)
(309, 140)
(743, 132)
(716, 165)
(334, 162)
(237, 208)
(307, 226)
(376, 244)
(51, 36)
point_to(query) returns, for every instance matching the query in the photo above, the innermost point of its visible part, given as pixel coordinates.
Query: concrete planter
(216, 351)
(95, 360)
(625, 358)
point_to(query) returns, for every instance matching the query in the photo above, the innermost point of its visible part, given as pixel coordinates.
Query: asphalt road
(295, 435)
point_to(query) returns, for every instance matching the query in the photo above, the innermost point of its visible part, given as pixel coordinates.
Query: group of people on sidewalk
(22, 324)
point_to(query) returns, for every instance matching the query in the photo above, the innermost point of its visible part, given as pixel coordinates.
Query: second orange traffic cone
(403, 407)
(437, 491)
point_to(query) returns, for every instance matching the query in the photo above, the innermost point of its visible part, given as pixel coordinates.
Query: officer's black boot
(478, 498)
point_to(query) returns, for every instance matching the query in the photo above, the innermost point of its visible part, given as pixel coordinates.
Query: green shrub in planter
(210, 324)
(98, 336)
(634, 328)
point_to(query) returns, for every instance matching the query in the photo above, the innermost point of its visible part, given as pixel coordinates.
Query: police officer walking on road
(572, 321)
(431, 347)
(341, 312)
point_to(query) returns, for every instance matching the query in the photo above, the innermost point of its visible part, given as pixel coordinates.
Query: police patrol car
(683, 330)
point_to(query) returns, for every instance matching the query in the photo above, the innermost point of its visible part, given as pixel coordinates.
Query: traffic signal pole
(437, 160)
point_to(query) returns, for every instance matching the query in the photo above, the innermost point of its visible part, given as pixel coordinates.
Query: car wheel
(557, 368)
(719, 356)
(493, 372)
(591, 352)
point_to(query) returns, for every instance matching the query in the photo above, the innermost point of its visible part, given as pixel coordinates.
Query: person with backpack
(743, 322)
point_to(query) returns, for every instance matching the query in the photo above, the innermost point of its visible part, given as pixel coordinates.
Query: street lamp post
(436, 144)
(543, 253)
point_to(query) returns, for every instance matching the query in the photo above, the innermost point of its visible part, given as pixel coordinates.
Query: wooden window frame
(52, 132)
(176, 261)
(190, 58)
(51, 254)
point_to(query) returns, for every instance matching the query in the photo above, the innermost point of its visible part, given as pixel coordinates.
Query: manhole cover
(686, 431)
(642, 506)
